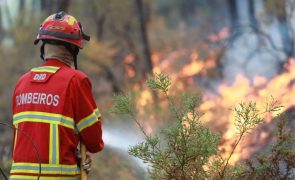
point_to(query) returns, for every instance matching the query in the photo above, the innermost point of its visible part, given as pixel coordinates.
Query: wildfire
(182, 66)
(217, 110)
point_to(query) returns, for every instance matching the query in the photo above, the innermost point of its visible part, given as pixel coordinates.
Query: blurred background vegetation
(229, 51)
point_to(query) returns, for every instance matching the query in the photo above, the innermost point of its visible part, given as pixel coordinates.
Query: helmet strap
(42, 50)
(74, 51)
(75, 62)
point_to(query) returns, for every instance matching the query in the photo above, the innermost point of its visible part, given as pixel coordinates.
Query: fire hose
(82, 151)
(3, 174)
(31, 141)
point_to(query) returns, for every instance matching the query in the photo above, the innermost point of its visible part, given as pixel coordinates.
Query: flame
(217, 109)
(197, 66)
(182, 66)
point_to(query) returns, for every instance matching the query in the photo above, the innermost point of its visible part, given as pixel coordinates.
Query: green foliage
(280, 162)
(124, 104)
(159, 82)
(246, 117)
(182, 148)
(187, 149)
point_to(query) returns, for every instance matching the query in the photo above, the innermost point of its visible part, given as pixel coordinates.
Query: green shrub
(187, 149)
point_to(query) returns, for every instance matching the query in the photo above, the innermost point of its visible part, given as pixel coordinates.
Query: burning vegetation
(187, 149)
(189, 71)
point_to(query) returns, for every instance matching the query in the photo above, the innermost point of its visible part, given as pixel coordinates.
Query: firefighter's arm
(92, 137)
(88, 117)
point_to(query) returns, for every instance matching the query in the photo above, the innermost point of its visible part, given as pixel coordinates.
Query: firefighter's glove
(86, 165)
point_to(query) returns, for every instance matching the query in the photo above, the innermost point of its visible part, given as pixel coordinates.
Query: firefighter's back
(43, 107)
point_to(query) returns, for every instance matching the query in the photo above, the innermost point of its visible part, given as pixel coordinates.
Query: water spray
(113, 138)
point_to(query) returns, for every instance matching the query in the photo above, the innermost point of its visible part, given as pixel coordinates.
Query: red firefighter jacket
(53, 104)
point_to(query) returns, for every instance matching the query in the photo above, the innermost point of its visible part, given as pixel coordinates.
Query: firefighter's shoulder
(24, 76)
(80, 75)
(79, 78)
(70, 72)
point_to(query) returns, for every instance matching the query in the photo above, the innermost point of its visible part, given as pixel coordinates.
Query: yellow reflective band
(33, 168)
(54, 144)
(49, 69)
(48, 18)
(89, 120)
(23, 177)
(97, 113)
(15, 137)
(71, 20)
(43, 117)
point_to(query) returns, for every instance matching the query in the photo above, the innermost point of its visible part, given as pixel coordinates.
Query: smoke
(253, 54)
(246, 58)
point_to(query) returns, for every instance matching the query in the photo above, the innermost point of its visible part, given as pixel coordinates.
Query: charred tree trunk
(125, 36)
(100, 17)
(281, 15)
(285, 36)
(279, 11)
(145, 45)
(143, 36)
(100, 21)
(109, 75)
(252, 15)
(233, 13)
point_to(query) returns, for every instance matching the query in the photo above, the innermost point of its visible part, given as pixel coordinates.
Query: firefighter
(53, 104)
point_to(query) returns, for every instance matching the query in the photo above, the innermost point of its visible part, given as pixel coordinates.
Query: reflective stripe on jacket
(53, 104)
